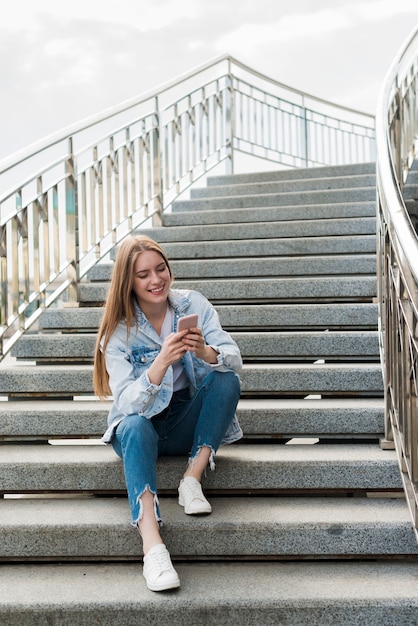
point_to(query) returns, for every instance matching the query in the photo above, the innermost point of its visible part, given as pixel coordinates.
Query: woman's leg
(200, 462)
(197, 427)
(148, 526)
(202, 420)
(218, 398)
(136, 442)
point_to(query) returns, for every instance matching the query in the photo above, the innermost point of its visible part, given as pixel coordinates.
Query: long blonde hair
(120, 303)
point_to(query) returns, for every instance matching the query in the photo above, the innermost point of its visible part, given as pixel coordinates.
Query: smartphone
(187, 321)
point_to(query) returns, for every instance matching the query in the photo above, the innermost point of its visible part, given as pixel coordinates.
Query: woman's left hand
(194, 342)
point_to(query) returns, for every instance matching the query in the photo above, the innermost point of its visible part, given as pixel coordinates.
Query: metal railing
(396, 137)
(66, 201)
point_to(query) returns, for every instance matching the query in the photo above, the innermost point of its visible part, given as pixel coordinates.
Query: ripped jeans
(183, 428)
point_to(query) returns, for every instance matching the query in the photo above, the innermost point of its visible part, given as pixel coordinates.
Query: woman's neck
(156, 315)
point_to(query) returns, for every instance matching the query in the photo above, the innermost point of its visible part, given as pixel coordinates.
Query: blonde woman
(174, 392)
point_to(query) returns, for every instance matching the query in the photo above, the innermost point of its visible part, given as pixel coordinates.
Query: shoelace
(162, 560)
(195, 490)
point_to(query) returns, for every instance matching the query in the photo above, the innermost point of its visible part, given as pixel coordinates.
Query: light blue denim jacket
(129, 357)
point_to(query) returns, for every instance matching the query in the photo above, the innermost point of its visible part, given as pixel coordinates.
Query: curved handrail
(59, 136)
(396, 136)
(391, 180)
(68, 199)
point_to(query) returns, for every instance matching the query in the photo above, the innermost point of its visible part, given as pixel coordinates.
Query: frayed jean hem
(138, 518)
(211, 461)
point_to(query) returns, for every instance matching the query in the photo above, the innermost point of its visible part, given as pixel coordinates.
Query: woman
(174, 393)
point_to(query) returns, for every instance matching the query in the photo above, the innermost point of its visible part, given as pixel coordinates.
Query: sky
(61, 62)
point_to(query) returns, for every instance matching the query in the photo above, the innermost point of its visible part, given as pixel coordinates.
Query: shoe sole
(162, 587)
(189, 512)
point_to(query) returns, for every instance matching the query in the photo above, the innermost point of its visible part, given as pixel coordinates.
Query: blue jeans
(183, 428)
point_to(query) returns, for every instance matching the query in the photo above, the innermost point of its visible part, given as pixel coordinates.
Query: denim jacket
(129, 357)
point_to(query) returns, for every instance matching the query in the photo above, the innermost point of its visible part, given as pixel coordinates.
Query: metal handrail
(67, 200)
(396, 137)
(73, 129)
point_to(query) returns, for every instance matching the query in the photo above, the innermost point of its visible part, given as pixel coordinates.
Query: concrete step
(264, 247)
(250, 593)
(332, 345)
(263, 290)
(267, 378)
(294, 174)
(260, 230)
(267, 266)
(53, 419)
(268, 246)
(410, 191)
(340, 417)
(272, 214)
(262, 468)
(413, 172)
(412, 207)
(284, 186)
(286, 198)
(264, 317)
(312, 417)
(78, 529)
(286, 289)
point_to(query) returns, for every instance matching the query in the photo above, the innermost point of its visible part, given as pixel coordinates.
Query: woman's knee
(228, 383)
(134, 430)
(222, 389)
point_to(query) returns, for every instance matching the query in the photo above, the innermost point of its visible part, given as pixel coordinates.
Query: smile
(157, 291)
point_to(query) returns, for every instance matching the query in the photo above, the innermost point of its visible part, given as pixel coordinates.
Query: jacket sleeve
(133, 393)
(229, 356)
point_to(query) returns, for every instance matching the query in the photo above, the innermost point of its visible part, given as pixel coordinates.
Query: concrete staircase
(309, 523)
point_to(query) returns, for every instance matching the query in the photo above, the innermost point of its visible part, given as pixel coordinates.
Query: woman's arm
(212, 343)
(132, 393)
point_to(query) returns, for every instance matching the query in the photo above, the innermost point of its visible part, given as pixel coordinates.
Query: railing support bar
(72, 246)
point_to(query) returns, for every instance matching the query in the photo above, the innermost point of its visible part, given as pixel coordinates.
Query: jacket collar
(177, 299)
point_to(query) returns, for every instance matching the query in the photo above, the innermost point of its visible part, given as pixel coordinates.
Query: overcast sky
(61, 62)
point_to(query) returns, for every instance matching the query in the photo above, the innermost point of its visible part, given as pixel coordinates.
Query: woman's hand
(172, 350)
(193, 339)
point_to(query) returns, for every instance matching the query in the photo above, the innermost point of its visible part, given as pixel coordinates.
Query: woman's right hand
(172, 350)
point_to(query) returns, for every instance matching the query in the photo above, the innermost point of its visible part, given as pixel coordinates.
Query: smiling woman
(175, 392)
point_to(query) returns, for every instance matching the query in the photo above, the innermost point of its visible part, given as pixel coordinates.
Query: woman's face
(151, 280)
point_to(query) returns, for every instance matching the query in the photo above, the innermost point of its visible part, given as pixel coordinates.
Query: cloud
(377, 10)
(295, 27)
(141, 14)
(62, 62)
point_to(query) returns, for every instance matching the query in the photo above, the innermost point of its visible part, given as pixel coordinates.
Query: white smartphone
(187, 322)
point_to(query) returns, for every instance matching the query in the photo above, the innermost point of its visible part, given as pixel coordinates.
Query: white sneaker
(192, 498)
(158, 570)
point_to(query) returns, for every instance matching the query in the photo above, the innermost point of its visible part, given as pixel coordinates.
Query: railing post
(229, 121)
(3, 284)
(71, 223)
(156, 153)
(398, 137)
(305, 134)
